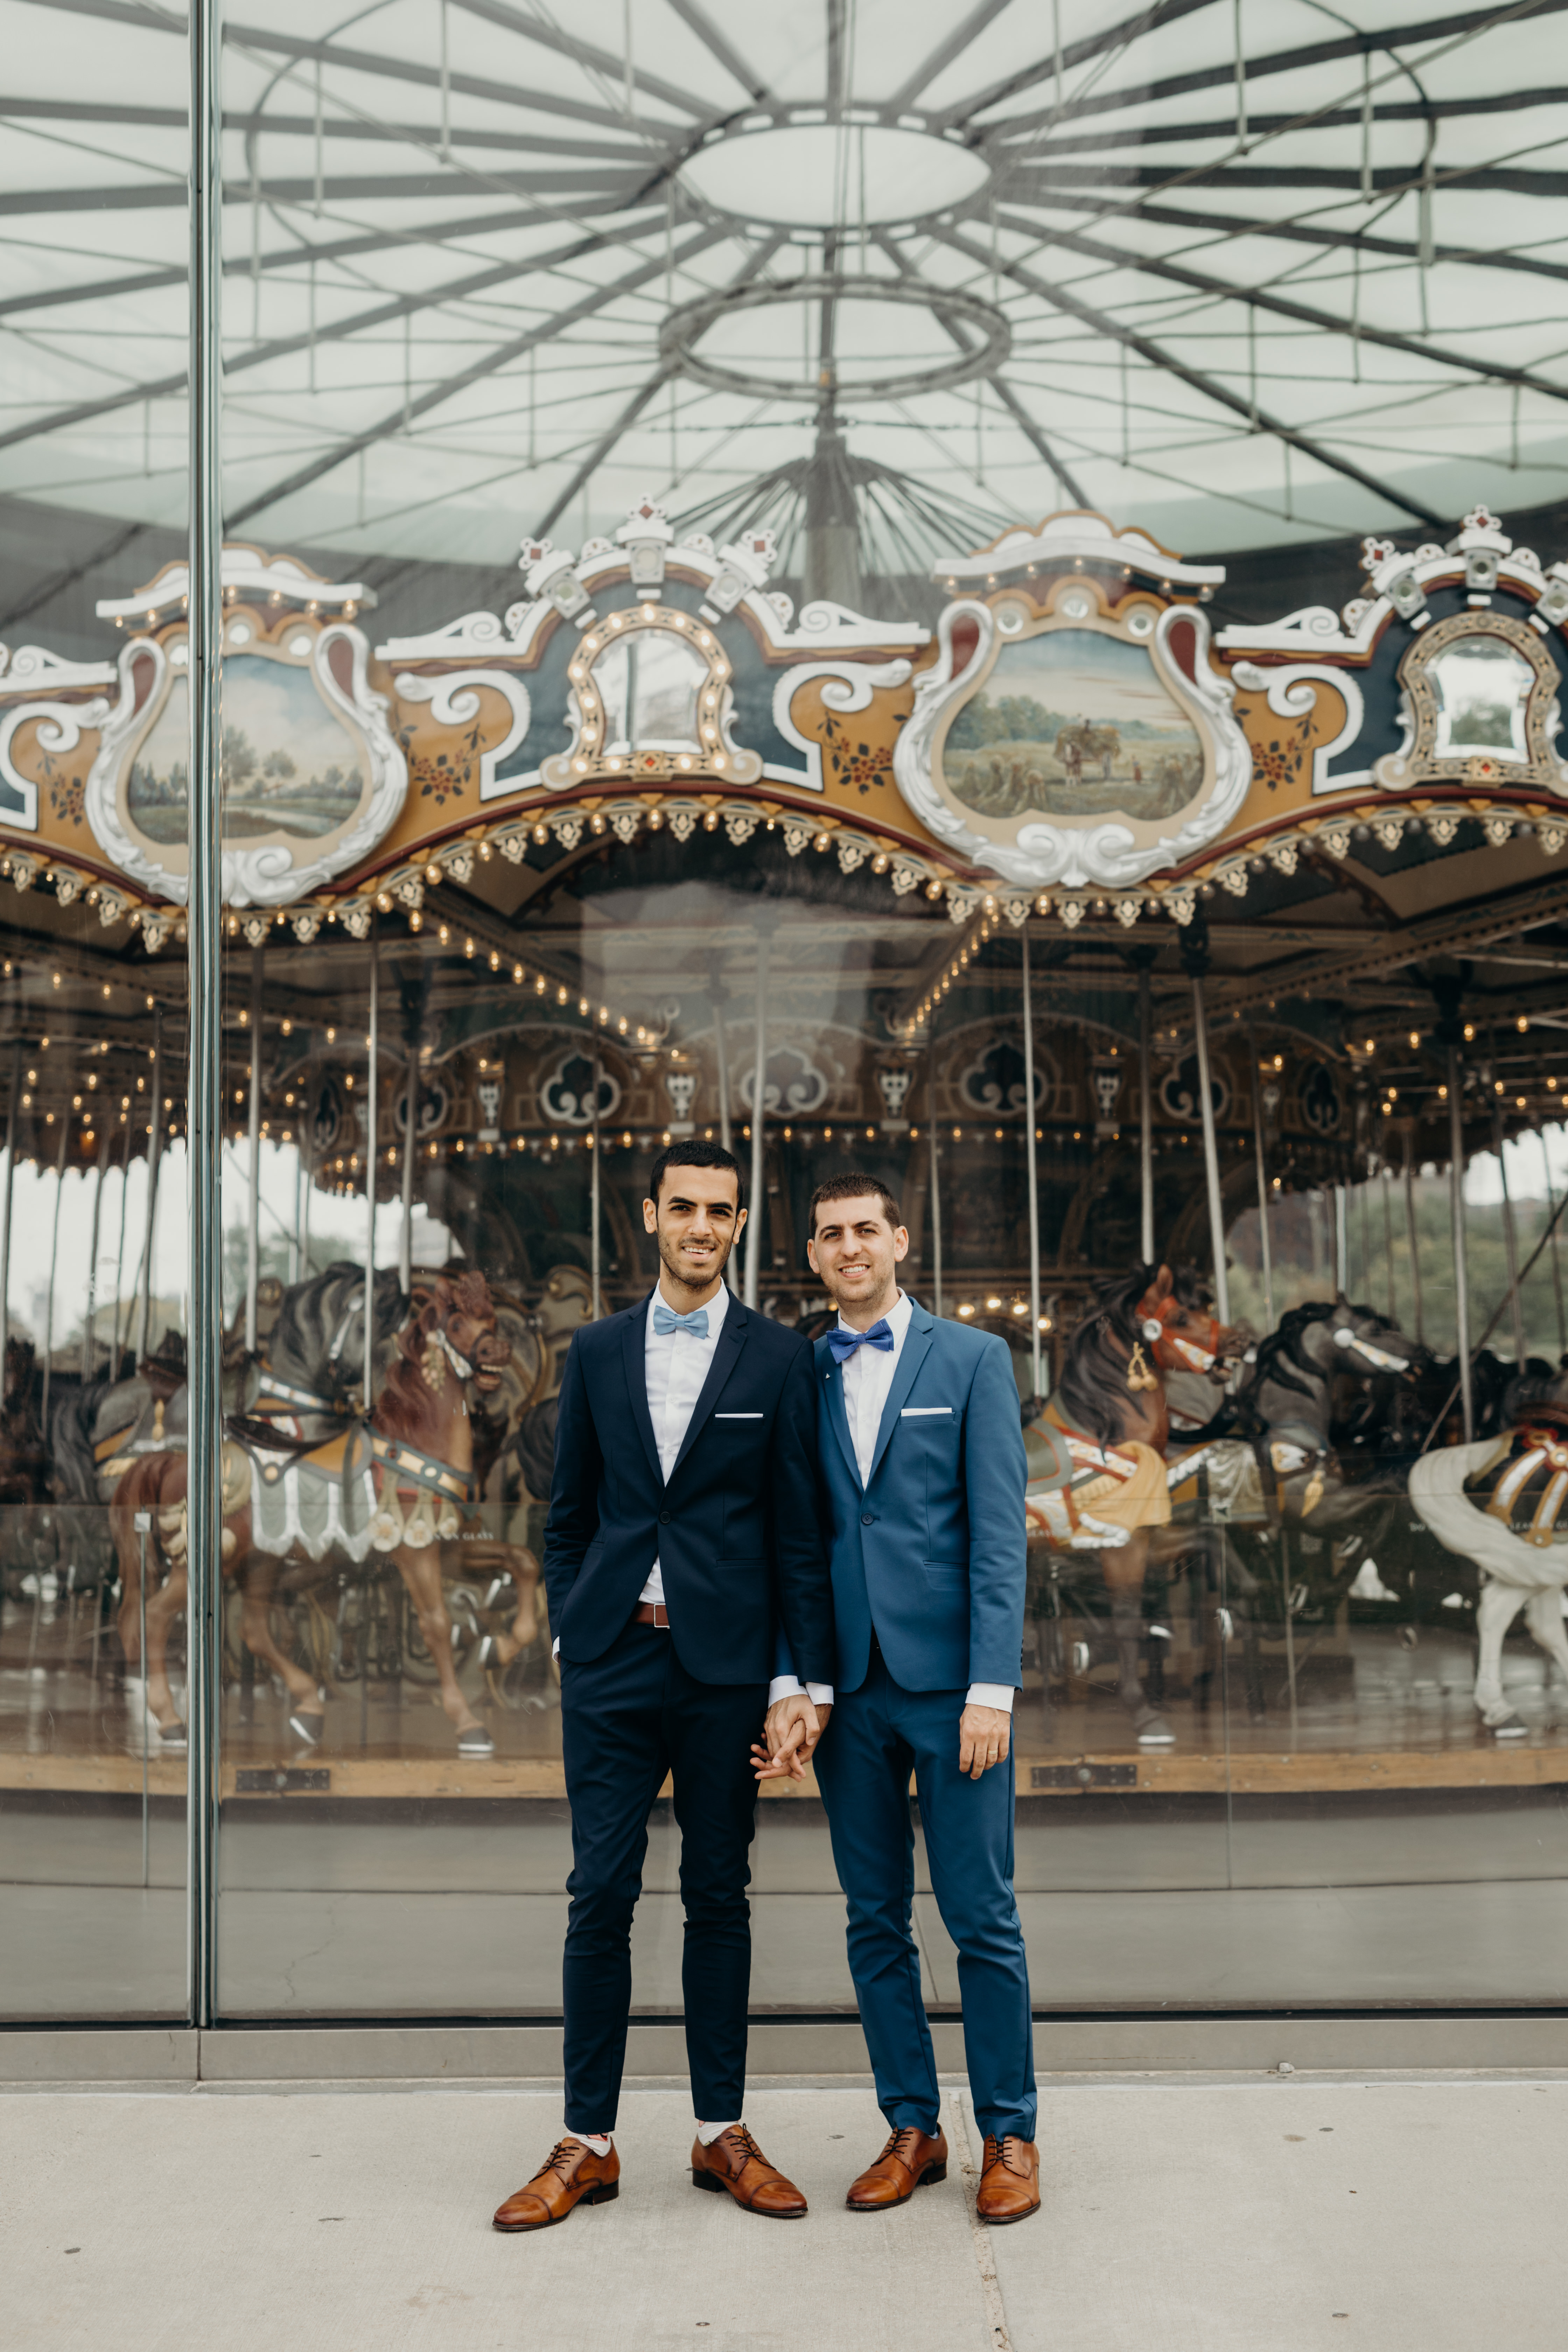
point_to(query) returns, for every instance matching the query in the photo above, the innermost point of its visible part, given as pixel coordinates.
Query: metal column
(1211, 1155)
(597, 1146)
(6, 1210)
(1509, 1236)
(935, 1180)
(1556, 1257)
(1030, 1172)
(1412, 1241)
(410, 1146)
(155, 1153)
(759, 1086)
(1341, 1241)
(1456, 1223)
(204, 971)
(253, 1227)
(1145, 1117)
(1265, 1248)
(87, 1344)
(54, 1262)
(373, 1045)
(716, 998)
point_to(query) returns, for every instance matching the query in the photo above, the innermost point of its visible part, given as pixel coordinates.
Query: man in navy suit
(680, 1535)
(922, 1475)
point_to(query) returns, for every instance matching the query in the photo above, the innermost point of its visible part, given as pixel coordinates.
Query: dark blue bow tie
(844, 1343)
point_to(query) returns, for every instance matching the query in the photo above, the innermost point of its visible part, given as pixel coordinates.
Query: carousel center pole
(1265, 1249)
(253, 1227)
(1195, 955)
(1341, 1241)
(372, 1044)
(935, 1177)
(205, 980)
(1456, 1220)
(154, 1155)
(759, 1089)
(6, 1211)
(1029, 1170)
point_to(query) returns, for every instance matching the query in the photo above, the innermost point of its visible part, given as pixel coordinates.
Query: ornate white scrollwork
(454, 703)
(1290, 694)
(1079, 851)
(846, 686)
(266, 873)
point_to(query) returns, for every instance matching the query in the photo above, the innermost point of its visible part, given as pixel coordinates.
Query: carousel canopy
(1259, 274)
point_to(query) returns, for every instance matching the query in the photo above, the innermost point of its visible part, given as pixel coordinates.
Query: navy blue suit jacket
(932, 1551)
(735, 1530)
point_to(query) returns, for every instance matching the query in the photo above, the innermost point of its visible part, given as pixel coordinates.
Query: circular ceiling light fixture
(682, 332)
(821, 176)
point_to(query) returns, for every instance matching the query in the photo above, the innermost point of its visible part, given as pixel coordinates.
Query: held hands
(983, 1733)
(790, 1733)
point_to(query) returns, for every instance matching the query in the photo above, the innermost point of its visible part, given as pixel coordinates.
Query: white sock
(709, 2133)
(599, 2142)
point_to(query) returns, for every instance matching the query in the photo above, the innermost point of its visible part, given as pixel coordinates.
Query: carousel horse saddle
(1526, 1483)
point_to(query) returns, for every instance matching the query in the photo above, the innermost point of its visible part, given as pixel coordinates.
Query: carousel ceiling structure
(1252, 272)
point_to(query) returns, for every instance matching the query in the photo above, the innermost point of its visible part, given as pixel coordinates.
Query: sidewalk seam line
(985, 2252)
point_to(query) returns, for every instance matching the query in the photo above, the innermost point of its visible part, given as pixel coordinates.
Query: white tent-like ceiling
(1243, 270)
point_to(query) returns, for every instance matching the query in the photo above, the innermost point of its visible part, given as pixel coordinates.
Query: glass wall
(1290, 1728)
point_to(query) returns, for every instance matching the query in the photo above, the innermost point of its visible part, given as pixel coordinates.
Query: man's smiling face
(696, 1223)
(856, 1253)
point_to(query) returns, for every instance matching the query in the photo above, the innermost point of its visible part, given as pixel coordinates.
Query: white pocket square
(738, 1416)
(924, 1411)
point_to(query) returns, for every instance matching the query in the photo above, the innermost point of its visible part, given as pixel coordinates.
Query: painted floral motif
(857, 766)
(442, 775)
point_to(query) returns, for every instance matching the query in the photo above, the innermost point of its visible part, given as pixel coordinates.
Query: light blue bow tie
(844, 1343)
(666, 1321)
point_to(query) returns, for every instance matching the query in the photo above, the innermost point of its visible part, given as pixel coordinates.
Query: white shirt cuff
(991, 1695)
(556, 1647)
(789, 1686)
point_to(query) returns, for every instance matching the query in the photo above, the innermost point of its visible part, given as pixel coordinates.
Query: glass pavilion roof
(495, 266)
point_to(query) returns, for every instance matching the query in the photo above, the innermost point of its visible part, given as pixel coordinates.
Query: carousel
(1171, 975)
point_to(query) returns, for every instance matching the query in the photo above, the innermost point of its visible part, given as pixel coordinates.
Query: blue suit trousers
(876, 1736)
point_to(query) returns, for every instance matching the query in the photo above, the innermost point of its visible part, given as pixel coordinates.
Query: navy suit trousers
(627, 1718)
(876, 1736)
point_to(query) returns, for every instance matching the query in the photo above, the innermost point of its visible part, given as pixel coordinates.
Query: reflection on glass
(1483, 690)
(650, 680)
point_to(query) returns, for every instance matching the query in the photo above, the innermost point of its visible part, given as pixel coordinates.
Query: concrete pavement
(1278, 2215)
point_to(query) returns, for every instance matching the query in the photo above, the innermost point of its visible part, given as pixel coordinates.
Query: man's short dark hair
(853, 1186)
(696, 1154)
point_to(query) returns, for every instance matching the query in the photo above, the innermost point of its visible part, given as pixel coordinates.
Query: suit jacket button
(868, 1519)
(664, 1518)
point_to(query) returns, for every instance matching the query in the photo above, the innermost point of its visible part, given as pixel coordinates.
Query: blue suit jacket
(734, 1531)
(932, 1550)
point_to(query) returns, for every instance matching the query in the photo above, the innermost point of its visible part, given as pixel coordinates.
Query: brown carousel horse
(1108, 1415)
(396, 1484)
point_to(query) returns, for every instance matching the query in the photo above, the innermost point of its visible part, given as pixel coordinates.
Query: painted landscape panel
(1073, 724)
(290, 765)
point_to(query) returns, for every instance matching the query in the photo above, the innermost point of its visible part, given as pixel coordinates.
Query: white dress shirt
(676, 1365)
(868, 1376)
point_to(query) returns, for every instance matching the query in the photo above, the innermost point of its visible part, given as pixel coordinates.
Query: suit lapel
(837, 1413)
(726, 1356)
(915, 1350)
(634, 1357)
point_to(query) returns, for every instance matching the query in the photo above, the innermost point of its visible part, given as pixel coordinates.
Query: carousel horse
(285, 1500)
(1107, 1422)
(1287, 1407)
(1503, 1505)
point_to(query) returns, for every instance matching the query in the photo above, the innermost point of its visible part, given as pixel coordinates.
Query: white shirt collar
(718, 1308)
(897, 1317)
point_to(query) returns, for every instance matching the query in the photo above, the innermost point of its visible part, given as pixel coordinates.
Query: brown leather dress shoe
(735, 2162)
(1009, 2181)
(571, 2175)
(906, 2163)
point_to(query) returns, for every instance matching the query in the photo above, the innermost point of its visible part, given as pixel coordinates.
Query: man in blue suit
(680, 1535)
(923, 1472)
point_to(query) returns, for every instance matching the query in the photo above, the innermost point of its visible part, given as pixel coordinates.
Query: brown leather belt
(651, 1612)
